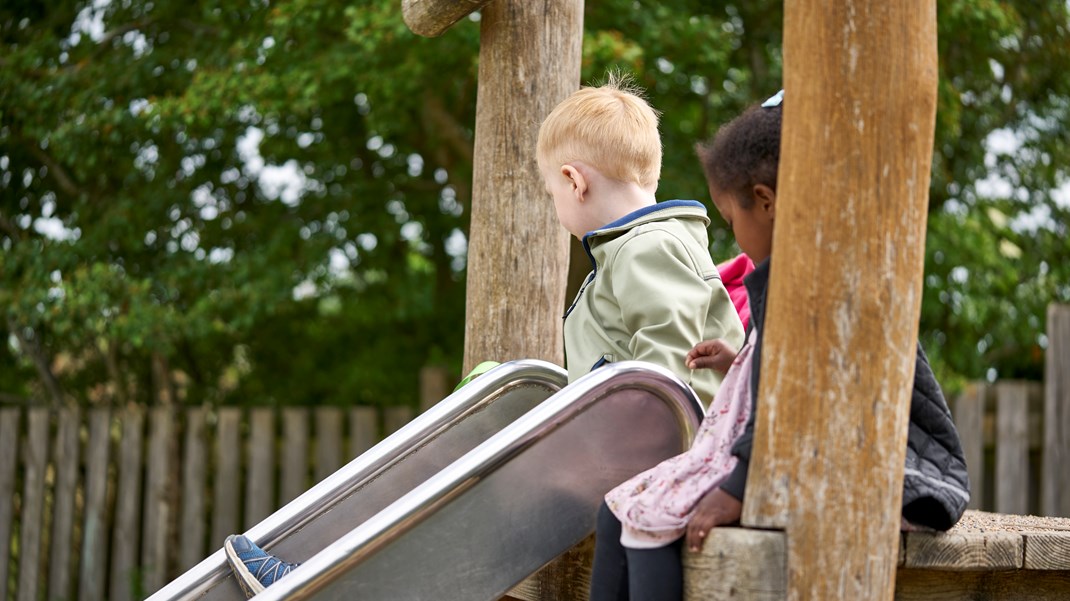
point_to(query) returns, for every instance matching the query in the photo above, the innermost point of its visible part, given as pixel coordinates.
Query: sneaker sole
(246, 580)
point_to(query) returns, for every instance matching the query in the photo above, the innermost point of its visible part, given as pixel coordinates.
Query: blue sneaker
(254, 568)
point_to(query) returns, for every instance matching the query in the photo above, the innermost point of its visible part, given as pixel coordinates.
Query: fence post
(1012, 447)
(91, 579)
(227, 483)
(63, 503)
(194, 480)
(33, 503)
(1055, 487)
(969, 420)
(260, 470)
(124, 551)
(9, 452)
(159, 500)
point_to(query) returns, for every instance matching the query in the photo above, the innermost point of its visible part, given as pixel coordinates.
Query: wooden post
(1055, 487)
(969, 420)
(845, 294)
(66, 462)
(1012, 446)
(529, 60)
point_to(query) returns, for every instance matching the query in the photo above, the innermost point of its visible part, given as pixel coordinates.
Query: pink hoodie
(732, 273)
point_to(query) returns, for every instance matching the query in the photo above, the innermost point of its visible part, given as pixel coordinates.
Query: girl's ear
(576, 179)
(765, 199)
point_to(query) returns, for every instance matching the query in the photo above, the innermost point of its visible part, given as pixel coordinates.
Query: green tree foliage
(247, 202)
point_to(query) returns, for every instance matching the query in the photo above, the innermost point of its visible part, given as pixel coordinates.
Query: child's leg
(656, 574)
(609, 575)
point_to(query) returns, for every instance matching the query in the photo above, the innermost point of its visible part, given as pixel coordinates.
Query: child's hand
(717, 508)
(717, 355)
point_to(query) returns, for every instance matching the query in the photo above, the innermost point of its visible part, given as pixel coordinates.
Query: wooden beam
(529, 61)
(845, 291)
(1055, 494)
(431, 18)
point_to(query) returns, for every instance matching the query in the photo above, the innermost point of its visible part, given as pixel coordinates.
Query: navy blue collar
(635, 216)
(643, 212)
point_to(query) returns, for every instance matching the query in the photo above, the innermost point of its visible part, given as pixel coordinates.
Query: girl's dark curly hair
(744, 152)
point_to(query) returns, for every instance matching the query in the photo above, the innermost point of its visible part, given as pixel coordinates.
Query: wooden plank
(65, 460)
(363, 430)
(35, 462)
(830, 430)
(529, 61)
(1003, 585)
(194, 482)
(969, 420)
(295, 453)
(125, 575)
(1047, 550)
(156, 555)
(1055, 486)
(1012, 448)
(226, 489)
(9, 452)
(328, 442)
(738, 563)
(91, 575)
(394, 418)
(964, 551)
(431, 18)
(434, 386)
(260, 487)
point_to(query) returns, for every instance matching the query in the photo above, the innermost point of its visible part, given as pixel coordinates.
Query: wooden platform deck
(987, 556)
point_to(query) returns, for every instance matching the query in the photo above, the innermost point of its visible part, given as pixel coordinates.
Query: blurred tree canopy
(255, 202)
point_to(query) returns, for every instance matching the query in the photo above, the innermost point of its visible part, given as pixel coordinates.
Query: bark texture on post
(431, 18)
(529, 60)
(845, 293)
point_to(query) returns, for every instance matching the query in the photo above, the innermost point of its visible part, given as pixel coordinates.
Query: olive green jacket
(653, 293)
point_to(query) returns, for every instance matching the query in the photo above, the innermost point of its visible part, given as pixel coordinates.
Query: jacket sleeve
(664, 298)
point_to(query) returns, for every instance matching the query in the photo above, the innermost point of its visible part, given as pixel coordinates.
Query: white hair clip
(774, 100)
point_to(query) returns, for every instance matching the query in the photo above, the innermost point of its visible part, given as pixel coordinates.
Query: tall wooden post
(845, 294)
(529, 60)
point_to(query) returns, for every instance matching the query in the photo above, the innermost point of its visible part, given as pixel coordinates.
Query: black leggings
(622, 574)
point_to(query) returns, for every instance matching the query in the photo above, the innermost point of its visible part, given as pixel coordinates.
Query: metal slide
(512, 504)
(384, 473)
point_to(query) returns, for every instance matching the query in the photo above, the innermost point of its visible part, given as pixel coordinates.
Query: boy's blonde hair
(610, 128)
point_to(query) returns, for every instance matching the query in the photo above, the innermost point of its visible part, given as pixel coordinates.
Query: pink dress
(732, 273)
(655, 506)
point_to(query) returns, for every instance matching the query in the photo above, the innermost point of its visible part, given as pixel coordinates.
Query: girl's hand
(717, 508)
(717, 355)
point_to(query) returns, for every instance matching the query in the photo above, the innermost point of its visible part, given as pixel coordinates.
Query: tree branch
(31, 347)
(58, 172)
(10, 229)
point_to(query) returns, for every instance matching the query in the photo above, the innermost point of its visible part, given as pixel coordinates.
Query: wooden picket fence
(113, 504)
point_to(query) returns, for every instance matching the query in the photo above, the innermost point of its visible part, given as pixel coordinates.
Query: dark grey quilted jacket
(935, 485)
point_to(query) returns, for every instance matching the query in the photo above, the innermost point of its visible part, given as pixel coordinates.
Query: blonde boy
(653, 292)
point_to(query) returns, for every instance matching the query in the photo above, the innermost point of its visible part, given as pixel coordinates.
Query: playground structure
(856, 152)
(840, 453)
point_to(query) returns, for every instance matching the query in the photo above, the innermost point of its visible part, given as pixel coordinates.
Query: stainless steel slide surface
(513, 503)
(384, 473)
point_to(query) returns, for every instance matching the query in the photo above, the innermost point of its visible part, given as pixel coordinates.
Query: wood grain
(260, 473)
(969, 421)
(328, 442)
(737, 563)
(92, 568)
(1055, 491)
(1012, 450)
(964, 551)
(194, 487)
(529, 61)
(65, 461)
(845, 291)
(9, 452)
(431, 18)
(35, 461)
(126, 531)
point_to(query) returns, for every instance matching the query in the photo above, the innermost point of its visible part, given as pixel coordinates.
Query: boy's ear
(765, 199)
(576, 180)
